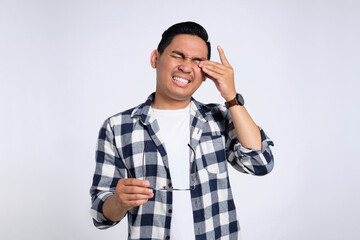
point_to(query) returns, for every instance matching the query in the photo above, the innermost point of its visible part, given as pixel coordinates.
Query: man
(163, 163)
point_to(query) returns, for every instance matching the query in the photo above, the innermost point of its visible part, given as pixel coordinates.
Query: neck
(169, 105)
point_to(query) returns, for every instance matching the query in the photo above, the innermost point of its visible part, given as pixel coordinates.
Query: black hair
(190, 28)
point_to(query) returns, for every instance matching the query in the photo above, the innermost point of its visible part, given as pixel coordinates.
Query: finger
(212, 74)
(136, 203)
(135, 197)
(208, 62)
(135, 182)
(222, 56)
(136, 190)
(215, 67)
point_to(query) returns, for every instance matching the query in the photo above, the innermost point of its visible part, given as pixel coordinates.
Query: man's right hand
(132, 192)
(129, 193)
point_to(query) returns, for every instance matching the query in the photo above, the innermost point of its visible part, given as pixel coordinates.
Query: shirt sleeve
(106, 175)
(247, 160)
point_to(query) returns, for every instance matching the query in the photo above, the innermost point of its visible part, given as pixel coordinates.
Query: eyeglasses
(170, 188)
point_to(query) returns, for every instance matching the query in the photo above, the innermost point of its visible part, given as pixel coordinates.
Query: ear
(154, 58)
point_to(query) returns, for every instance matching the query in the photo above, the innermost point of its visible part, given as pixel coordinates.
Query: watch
(238, 100)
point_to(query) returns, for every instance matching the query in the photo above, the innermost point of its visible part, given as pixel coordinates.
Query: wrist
(227, 99)
(230, 96)
(237, 100)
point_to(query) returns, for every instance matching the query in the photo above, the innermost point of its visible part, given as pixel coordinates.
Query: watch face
(240, 99)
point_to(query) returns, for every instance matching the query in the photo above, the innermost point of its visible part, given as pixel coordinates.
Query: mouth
(181, 80)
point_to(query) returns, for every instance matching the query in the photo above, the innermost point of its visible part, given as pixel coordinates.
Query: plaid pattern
(127, 137)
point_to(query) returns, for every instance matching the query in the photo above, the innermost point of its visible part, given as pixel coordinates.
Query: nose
(186, 66)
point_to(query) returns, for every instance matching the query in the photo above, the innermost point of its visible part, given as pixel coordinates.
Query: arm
(222, 74)
(112, 193)
(247, 131)
(248, 146)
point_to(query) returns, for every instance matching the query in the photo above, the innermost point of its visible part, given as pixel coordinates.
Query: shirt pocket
(213, 153)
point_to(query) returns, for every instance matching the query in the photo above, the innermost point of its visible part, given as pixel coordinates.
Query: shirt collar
(144, 113)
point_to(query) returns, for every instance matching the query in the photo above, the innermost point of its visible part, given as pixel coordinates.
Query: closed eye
(197, 60)
(180, 55)
(177, 56)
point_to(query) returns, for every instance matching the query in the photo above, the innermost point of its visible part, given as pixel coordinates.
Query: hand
(222, 74)
(132, 192)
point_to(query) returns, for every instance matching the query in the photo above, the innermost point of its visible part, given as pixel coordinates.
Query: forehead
(190, 45)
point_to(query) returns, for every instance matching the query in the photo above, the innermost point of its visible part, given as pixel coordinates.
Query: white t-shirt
(175, 130)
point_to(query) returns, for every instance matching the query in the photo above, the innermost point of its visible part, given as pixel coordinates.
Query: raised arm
(222, 74)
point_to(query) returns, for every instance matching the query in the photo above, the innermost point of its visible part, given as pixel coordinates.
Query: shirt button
(167, 237)
(170, 210)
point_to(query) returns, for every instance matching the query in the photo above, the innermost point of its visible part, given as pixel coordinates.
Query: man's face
(178, 75)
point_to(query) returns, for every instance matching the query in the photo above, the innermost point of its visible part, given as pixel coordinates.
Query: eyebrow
(183, 56)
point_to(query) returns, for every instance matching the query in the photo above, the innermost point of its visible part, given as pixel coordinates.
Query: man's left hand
(222, 74)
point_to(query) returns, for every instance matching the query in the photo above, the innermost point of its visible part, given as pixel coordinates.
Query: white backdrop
(65, 66)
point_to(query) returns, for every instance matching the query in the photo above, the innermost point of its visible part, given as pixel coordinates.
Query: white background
(65, 66)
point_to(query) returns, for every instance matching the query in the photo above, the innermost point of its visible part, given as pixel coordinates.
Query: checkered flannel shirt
(126, 138)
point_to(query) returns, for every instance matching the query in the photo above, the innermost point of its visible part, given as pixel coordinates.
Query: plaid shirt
(127, 138)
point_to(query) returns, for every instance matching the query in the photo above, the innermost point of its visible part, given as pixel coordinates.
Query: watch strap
(238, 100)
(232, 102)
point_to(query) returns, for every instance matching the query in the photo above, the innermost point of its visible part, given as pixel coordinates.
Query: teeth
(181, 80)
